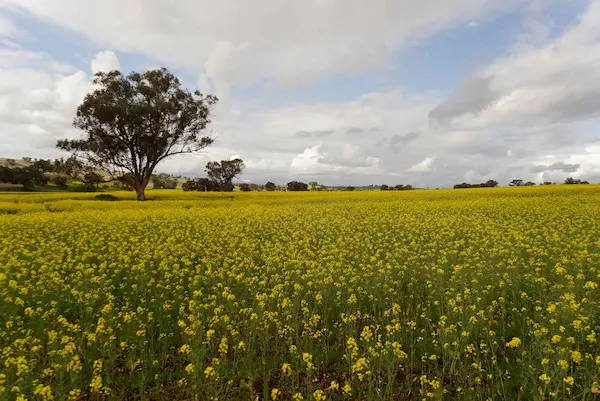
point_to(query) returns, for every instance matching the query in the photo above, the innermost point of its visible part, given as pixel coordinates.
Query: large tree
(224, 172)
(134, 122)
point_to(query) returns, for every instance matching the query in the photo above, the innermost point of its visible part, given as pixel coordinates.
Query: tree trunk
(141, 196)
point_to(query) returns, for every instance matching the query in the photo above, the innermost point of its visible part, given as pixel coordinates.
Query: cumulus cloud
(38, 99)
(315, 161)
(314, 134)
(518, 116)
(556, 82)
(105, 61)
(7, 28)
(424, 166)
(398, 142)
(558, 166)
(236, 43)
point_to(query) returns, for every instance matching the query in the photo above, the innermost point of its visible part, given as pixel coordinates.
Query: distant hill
(8, 162)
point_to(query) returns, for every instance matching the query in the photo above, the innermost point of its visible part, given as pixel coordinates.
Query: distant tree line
(487, 184)
(164, 181)
(220, 177)
(572, 181)
(41, 172)
(396, 188)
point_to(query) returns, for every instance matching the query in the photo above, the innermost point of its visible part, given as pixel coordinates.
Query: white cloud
(536, 106)
(7, 28)
(105, 61)
(38, 99)
(237, 43)
(424, 166)
(556, 82)
(315, 161)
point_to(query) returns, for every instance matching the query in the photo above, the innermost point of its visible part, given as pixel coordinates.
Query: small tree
(224, 172)
(190, 185)
(164, 181)
(60, 180)
(350, 188)
(491, 183)
(245, 187)
(134, 122)
(516, 183)
(269, 186)
(92, 179)
(297, 186)
(384, 187)
(314, 186)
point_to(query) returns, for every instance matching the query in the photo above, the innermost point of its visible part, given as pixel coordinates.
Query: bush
(29, 185)
(60, 181)
(297, 186)
(106, 197)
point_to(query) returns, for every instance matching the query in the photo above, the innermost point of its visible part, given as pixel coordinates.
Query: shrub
(106, 197)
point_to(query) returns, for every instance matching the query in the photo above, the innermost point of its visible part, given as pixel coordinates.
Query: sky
(344, 92)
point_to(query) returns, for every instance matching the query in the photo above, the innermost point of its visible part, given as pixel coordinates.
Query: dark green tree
(297, 186)
(516, 183)
(134, 122)
(224, 172)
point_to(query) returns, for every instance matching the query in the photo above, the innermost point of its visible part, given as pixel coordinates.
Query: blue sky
(439, 91)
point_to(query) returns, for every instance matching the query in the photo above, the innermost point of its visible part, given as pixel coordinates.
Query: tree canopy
(134, 122)
(224, 172)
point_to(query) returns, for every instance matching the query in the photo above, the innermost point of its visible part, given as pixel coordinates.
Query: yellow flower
(96, 384)
(556, 339)
(223, 346)
(274, 393)
(576, 356)
(347, 389)
(286, 369)
(319, 395)
(297, 397)
(514, 343)
(569, 380)
(334, 385)
(545, 378)
(209, 372)
(189, 369)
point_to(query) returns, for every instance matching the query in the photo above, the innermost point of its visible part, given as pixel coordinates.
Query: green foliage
(223, 173)
(106, 197)
(296, 186)
(60, 180)
(29, 185)
(573, 181)
(487, 184)
(164, 181)
(134, 122)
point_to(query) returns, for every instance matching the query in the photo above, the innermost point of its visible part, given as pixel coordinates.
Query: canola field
(484, 294)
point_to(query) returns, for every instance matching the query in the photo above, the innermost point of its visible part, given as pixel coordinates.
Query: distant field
(437, 295)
